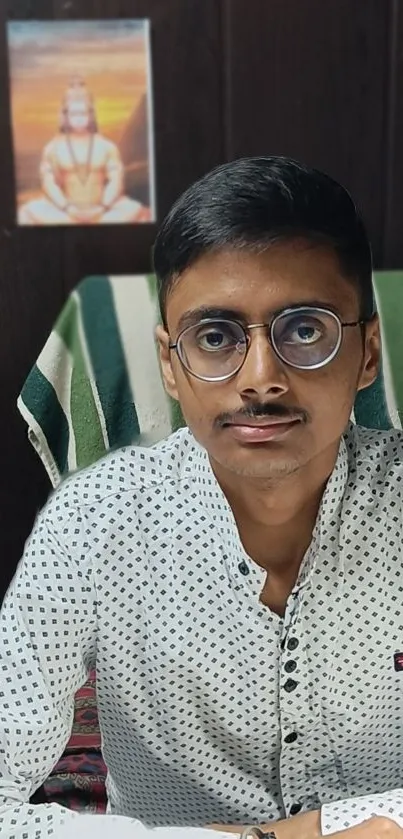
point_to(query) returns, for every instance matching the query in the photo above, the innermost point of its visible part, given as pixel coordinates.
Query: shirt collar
(327, 527)
(198, 467)
(336, 485)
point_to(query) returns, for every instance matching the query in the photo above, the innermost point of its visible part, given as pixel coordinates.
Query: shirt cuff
(108, 827)
(343, 814)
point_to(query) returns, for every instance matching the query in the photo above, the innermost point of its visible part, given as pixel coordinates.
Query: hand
(307, 826)
(303, 826)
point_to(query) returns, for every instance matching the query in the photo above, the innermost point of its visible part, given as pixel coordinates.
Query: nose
(262, 372)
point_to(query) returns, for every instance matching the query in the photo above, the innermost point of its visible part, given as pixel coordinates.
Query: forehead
(258, 284)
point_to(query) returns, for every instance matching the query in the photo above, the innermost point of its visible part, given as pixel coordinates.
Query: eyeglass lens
(305, 338)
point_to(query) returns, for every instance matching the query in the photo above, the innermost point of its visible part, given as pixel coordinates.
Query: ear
(372, 354)
(165, 355)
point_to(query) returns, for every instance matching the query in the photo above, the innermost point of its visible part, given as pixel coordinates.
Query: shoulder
(375, 445)
(106, 146)
(53, 145)
(129, 471)
(376, 457)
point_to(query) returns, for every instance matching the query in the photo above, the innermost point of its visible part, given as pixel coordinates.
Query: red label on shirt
(398, 659)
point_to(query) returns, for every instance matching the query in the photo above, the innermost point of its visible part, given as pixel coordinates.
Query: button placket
(291, 702)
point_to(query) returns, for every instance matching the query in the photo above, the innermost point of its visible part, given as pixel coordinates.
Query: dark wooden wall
(321, 80)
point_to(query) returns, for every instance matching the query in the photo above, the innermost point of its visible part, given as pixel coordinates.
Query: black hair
(254, 202)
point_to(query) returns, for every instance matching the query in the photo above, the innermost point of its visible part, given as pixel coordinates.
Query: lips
(261, 430)
(259, 422)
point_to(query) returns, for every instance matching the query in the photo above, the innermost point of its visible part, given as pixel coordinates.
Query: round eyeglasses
(306, 338)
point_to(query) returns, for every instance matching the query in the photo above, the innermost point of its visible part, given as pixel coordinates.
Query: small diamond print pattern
(212, 708)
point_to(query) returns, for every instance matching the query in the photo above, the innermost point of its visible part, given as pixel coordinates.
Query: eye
(303, 332)
(213, 338)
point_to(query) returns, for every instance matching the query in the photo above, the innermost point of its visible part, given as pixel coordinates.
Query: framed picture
(82, 121)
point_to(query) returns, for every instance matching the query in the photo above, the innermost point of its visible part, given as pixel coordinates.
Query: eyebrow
(194, 316)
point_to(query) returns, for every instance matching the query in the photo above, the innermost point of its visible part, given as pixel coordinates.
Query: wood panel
(393, 257)
(38, 267)
(309, 79)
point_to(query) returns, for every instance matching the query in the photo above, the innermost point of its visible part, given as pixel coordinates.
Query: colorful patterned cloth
(78, 779)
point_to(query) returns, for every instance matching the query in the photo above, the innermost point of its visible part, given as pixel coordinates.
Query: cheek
(329, 395)
(200, 401)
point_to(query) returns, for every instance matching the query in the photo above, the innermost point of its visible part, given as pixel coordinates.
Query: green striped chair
(96, 384)
(381, 405)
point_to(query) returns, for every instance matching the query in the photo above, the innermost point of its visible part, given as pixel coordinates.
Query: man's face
(313, 405)
(78, 116)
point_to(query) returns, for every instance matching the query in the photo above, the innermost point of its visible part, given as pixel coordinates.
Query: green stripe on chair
(86, 424)
(389, 292)
(107, 359)
(370, 408)
(37, 392)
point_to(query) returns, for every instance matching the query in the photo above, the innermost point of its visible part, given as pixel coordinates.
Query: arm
(47, 644)
(50, 187)
(353, 811)
(114, 169)
(366, 817)
(47, 647)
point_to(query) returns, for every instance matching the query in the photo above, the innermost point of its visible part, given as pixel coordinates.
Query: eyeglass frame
(270, 327)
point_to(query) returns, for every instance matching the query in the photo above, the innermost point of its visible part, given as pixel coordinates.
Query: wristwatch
(257, 833)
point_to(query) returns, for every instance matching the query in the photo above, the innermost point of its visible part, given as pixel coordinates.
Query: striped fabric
(381, 406)
(96, 385)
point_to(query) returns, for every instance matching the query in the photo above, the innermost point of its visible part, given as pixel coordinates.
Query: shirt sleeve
(47, 647)
(351, 811)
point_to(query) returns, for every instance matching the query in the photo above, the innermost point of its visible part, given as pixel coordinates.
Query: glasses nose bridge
(264, 353)
(268, 330)
(258, 326)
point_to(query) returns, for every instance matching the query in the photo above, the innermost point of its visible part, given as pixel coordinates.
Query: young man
(238, 586)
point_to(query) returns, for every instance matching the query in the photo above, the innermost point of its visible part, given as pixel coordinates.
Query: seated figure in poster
(81, 172)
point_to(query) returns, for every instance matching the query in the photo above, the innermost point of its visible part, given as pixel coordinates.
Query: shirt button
(291, 738)
(243, 568)
(295, 808)
(293, 644)
(290, 666)
(290, 685)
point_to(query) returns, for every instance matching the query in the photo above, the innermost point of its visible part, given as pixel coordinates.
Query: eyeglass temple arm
(356, 322)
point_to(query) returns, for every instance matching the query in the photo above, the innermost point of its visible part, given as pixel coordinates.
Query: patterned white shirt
(212, 708)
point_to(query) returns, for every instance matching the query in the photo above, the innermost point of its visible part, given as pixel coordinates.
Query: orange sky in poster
(114, 65)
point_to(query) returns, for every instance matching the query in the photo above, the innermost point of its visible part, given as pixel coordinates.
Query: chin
(260, 463)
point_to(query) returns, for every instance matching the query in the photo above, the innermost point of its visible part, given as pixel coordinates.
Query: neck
(276, 519)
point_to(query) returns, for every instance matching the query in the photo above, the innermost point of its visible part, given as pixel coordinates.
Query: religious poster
(81, 102)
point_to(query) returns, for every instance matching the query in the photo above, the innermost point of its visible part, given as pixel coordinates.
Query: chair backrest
(97, 383)
(381, 405)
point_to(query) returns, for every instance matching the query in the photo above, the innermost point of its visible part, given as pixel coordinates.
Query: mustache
(256, 411)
